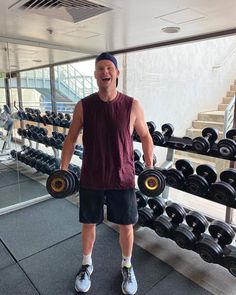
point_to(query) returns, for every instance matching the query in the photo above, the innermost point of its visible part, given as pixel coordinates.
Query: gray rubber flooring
(41, 254)
(16, 187)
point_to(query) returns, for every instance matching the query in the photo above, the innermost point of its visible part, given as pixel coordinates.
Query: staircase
(222, 119)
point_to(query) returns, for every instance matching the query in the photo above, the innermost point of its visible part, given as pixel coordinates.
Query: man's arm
(71, 138)
(141, 128)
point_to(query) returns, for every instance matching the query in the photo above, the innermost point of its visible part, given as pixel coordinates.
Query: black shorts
(121, 206)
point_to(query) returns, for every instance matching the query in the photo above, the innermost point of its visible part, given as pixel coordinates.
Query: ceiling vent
(68, 10)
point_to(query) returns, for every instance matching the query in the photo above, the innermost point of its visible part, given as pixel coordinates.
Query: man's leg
(83, 281)
(126, 239)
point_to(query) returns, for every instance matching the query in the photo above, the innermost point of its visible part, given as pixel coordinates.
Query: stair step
(230, 93)
(203, 124)
(233, 87)
(222, 106)
(212, 116)
(192, 133)
(227, 99)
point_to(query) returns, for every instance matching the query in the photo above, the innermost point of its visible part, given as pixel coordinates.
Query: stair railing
(229, 116)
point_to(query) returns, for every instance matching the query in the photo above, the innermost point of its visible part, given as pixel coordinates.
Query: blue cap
(107, 56)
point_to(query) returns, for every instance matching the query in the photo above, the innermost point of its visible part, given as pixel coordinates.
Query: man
(108, 119)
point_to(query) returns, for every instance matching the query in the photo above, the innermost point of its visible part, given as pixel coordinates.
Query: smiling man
(108, 119)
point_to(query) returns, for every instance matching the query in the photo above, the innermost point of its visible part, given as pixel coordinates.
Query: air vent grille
(69, 10)
(36, 4)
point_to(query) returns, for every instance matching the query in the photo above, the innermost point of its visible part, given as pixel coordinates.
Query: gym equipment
(199, 184)
(138, 167)
(227, 146)
(164, 225)
(147, 215)
(186, 236)
(137, 155)
(151, 127)
(160, 138)
(230, 262)
(61, 184)
(203, 143)
(177, 177)
(154, 159)
(142, 200)
(151, 182)
(224, 191)
(211, 248)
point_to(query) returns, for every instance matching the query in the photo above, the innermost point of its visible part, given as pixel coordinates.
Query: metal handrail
(229, 116)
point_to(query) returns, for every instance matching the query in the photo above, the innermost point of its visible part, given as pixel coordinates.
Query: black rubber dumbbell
(186, 236)
(148, 214)
(141, 199)
(230, 261)
(137, 155)
(164, 225)
(204, 143)
(224, 191)
(177, 177)
(227, 146)
(151, 127)
(140, 166)
(211, 248)
(160, 138)
(199, 184)
(151, 182)
(61, 184)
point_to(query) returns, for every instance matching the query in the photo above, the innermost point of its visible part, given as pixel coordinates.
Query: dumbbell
(186, 236)
(139, 166)
(204, 143)
(137, 155)
(229, 261)
(141, 199)
(61, 184)
(224, 191)
(148, 214)
(177, 177)
(199, 184)
(151, 127)
(13, 154)
(211, 248)
(164, 225)
(227, 146)
(160, 138)
(154, 159)
(151, 182)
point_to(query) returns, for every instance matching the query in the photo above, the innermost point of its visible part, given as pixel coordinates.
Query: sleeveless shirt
(108, 146)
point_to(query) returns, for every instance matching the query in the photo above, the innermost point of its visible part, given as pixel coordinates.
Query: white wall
(175, 83)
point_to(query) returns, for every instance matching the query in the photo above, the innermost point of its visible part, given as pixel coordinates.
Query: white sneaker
(83, 281)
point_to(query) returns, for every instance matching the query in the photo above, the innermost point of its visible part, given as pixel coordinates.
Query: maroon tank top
(108, 146)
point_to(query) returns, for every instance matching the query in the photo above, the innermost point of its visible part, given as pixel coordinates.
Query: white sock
(126, 261)
(87, 259)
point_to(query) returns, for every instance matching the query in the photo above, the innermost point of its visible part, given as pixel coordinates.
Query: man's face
(106, 74)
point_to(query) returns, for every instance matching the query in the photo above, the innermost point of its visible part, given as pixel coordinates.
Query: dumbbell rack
(173, 143)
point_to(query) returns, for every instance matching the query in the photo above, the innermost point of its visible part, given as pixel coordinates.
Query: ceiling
(35, 33)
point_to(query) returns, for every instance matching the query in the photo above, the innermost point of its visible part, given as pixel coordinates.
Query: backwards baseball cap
(107, 56)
